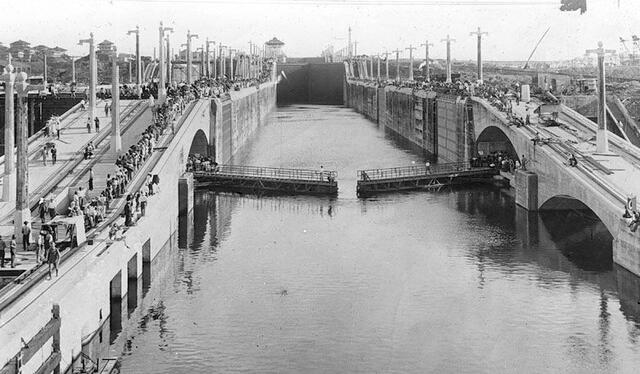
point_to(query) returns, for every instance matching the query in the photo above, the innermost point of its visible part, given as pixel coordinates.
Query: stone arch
(199, 144)
(492, 138)
(568, 202)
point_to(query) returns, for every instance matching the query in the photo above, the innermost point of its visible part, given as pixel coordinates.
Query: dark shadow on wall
(311, 83)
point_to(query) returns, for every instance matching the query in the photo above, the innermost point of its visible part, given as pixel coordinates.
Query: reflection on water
(459, 280)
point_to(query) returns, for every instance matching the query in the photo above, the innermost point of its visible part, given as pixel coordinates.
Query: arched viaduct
(549, 183)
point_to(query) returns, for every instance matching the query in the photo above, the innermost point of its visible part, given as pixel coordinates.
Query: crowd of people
(93, 206)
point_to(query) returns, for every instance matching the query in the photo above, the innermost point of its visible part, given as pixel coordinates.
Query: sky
(307, 27)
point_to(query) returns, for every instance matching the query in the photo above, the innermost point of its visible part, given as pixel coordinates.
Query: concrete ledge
(527, 189)
(626, 249)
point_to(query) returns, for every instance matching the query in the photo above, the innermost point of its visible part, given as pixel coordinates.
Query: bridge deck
(416, 177)
(258, 179)
(49, 180)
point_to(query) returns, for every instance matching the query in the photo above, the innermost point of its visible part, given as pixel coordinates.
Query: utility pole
(448, 40)
(8, 181)
(44, 68)
(208, 43)
(479, 33)
(116, 142)
(201, 49)
(138, 61)
(223, 62)
(93, 76)
(397, 52)
(189, 57)
(378, 75)
(22, 213)
(169, 57)
(349, 54)
(231, 52)
(411, 48)
(426, 45)
(215, 68)
(162, 91)
(386, 65)
(602, 141)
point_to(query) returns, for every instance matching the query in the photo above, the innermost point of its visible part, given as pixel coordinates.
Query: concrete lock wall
(84, 288)
(433, 122)
(311, 83)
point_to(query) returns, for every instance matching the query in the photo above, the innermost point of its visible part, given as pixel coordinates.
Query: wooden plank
(9, 367)
(50, 364)
(34, 345)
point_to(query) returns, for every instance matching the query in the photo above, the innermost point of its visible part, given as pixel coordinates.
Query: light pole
(189, 57)
(386, 64)
(8, 181)
(378, 75)
(231, 53)
(222, 60)
(23, 212)
(162, 91)
(138, 61)
(116, 142)
(211, 42)
(602, 138)
(201, 50)
(73, 67)
(411, 48)
(448, 40)
(169, 66)
(349, 52)
(397, 52)
(93, 75)
(426, 45)
(44, 68)
(479, 33)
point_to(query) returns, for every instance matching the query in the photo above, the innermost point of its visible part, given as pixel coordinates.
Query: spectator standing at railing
(3, 246)
(26, 235)
(106, 109)
(43, 151)
(57, 127)
(90, 179)
(97, 122)
(12, 250)
(54, 154)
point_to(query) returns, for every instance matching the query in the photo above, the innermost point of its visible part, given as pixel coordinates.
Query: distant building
(274, 50)
(57, 51)
(105, 47)
(20, 47)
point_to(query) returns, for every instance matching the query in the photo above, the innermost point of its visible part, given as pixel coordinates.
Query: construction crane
(526, 64)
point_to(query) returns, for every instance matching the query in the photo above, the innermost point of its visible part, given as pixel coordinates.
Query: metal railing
(268, 172)
(411, 171)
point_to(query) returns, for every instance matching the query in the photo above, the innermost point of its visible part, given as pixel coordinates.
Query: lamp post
(23, 212)
(93, 75)
(116, 142)
(426, 45)
(231, 53)
(602, 138)
(44, 68)
(138, 61)
(448, 40)
(222, 60)
(211, 42)
(201, 49)
(189, 57)
(479, 33)
(162, 92)
(386, 64)
(169, 65)
(8, 181)
(411, 48)
(378, 75)
(397, 52)
(73, 68)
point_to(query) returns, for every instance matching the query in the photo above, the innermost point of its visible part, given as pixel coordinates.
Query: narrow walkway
(44, 178)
